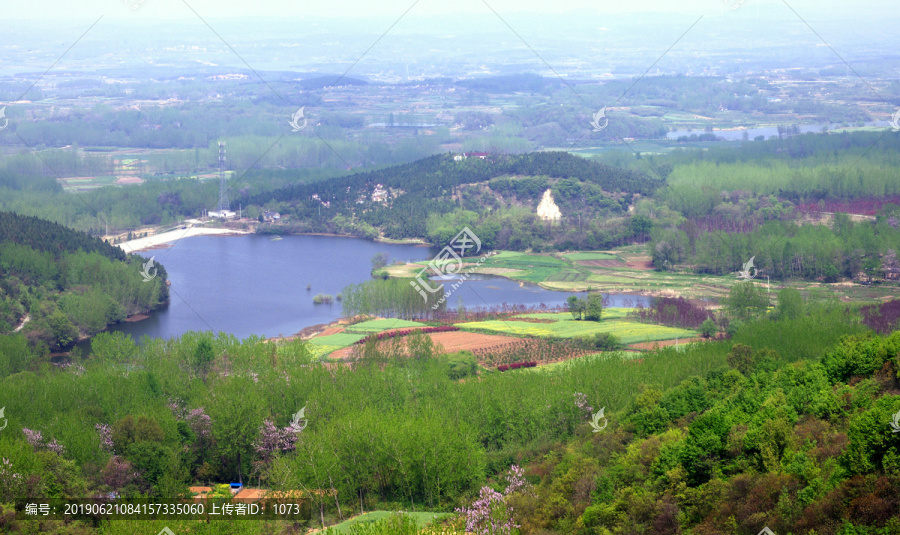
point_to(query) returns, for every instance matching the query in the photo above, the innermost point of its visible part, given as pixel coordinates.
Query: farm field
(628, 331)
(624, 355)
(590, 256)
(339, 340)
(376, 326)
(628, 270)
(608, 313)
(454, 341)
(422, 518)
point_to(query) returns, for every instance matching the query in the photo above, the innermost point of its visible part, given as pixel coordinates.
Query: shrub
(461, 364)
(516, 365)
(606, 342)
(743, 359)
(323, 299)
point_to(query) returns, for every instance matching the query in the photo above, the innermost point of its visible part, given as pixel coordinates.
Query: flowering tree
(118, 474)
(199, 422)
(491, 514)
(36, 439)
(273, 440)
(582, 403)
(106, 441)
(12, 484)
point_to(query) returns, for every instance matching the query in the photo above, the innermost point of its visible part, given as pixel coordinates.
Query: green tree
(872, 443)
(130, 430)
(708, 328)
(380, 260)
(790, 304)
(640, 225)
(593, 307)
(746, 300)
(741, 358)
(576, 306)
(203, 355)
(64, 331)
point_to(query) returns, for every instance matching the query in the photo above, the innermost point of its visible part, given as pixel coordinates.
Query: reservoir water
(250, 284)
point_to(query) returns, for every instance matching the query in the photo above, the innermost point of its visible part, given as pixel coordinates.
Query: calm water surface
(247, 285)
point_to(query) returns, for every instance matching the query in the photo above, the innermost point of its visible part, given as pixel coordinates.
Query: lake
(765, 131)
(250, 284)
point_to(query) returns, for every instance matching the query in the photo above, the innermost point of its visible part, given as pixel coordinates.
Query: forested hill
(435, 175)
(48, 237)
(58, 285)
(489, 195)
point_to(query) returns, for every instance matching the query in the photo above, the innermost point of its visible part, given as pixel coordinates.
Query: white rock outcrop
(547, 209)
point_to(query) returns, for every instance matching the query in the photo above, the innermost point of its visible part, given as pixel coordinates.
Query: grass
(423, 519)
(628, 332)
(376, 326)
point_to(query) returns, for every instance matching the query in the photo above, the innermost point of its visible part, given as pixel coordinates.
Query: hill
(58, 285)
(489, 191)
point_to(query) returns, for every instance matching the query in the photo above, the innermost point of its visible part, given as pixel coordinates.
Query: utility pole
(223, 191)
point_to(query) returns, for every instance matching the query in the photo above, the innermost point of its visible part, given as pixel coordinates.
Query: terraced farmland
(628, 331)
(591, 256)
(568, 275)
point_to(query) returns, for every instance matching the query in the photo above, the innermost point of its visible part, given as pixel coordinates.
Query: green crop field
(608, 313)
(590, 256)
(522, 260)
(629, 332)
(339, 340)
(422, 518)
(568, 275)
(376, 326)
(318, 351)
(558, 316)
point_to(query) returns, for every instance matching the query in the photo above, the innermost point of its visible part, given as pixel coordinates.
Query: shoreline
(165, 240)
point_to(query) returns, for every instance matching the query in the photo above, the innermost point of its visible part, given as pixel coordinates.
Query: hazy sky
(91, 9)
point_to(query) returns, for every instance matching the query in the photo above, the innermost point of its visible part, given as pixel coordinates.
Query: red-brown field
(663, 343)
(474, 342)
(456, 341)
